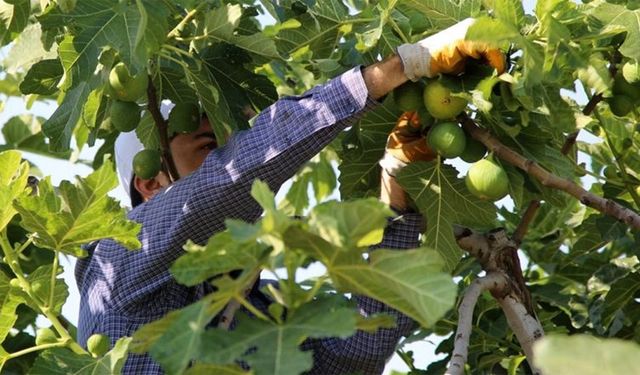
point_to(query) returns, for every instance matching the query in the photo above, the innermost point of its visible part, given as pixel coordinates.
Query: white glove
(446, 52)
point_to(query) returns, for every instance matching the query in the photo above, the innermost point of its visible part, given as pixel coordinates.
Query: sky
(63, 170)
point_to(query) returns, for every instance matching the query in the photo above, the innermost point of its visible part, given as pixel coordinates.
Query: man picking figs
(122, 290)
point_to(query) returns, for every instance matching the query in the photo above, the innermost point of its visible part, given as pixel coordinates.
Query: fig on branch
(125, 87)
(125, 116)
(184, 118)
(620, 105)
(147, 164)
(631, 72)
(439, 102)
(487, 180)
(447, 139)
(98, 345)
(624, 88)
(408, 97)
(473, 151)
(45, 336)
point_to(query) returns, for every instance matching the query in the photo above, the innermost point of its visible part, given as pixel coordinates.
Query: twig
(493, 280)
(162, 126)
(233, 306)
(548, 179)
(526, 220)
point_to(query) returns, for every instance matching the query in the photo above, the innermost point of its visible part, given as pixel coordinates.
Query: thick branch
(548, 179)
(493, 280)
(525, 326)
(169, 165)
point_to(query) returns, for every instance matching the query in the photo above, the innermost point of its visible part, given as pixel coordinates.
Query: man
(122, 290)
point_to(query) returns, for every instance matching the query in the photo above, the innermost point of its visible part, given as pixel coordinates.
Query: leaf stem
(187, 18)
(26, 244)
(153, 105)
(37, 348)
(252, 309)
(54, 273)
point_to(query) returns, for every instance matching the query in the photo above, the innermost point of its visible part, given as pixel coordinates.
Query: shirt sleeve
(284, 137)
(367, 353)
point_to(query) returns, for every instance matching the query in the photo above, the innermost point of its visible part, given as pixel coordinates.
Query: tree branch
(493, 280)
(168, 165)
(494, 251)
(548, 179)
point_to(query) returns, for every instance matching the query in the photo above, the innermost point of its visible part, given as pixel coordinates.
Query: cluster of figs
(485, 179)
(126, 91)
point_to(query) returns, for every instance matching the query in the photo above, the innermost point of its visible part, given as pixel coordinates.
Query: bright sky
(63, 170)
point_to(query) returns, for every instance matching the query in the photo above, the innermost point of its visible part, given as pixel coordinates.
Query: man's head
(188, 151)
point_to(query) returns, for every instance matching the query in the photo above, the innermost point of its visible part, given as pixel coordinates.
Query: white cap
(127, 146)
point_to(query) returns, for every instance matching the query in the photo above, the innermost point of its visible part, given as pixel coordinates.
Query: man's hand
(446, 53)
(406, 144)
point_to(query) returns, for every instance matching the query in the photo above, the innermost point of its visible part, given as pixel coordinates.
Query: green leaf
(27, 50)
(508, 11)
(622, 292)
(10, 298)
(443, 12)
(60, 126)
(297, 198)
(60, 361)
(14, 17)
(277, 345)
(323, 179)
(410, 281)
(133, 30)
(42, 78)
(349, 225)
(263, 195)
(362, 148)
(444, 200)
(220, 24)
(611, 15)
(222, 254)
(319, 30)
(13, 183)
(40, 281)
(88, 214)
(147, 132)
(207, 369)
(586, 355)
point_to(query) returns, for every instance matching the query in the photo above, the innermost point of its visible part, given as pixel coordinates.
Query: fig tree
(184, 118)
(408, 97)
(45, 336)
(473, 151)
(125, 116)
(98, 345)
(147, 164)
(125, 87)
(447, 139)
(487, 180)
(439, 102)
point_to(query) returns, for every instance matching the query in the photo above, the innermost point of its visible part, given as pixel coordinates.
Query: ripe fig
(447, 139)
(439, 102)
(487, 180)
(147, 164)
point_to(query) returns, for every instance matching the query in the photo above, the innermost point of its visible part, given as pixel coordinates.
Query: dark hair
(136, 197)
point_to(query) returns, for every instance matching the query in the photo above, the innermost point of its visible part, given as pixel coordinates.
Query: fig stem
(168, 165)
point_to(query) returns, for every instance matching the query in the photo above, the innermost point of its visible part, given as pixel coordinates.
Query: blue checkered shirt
(122, 290)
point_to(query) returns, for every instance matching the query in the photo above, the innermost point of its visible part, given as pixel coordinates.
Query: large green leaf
(612, 14)
(362, 148)
(319, 30)
(42, 78)
(586, 355)
(13, 182)
(220, 24)
(410, 281)
(444, 200)
(60, 361)
(134, 30)
(27, 50)
(87, 214)
(349, 225)
(277, 345)
(40, 281)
